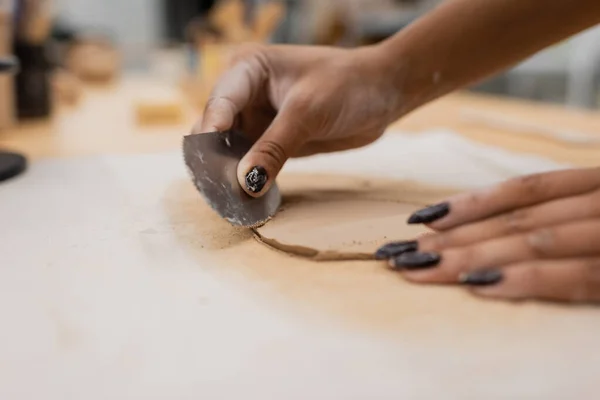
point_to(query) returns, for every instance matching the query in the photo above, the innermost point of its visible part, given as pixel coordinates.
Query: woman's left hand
(534, 237)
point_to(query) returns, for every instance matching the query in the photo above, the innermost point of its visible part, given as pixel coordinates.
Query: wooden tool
(212, 159)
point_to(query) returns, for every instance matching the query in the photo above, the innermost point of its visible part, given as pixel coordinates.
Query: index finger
(231, 94)
(510, 195)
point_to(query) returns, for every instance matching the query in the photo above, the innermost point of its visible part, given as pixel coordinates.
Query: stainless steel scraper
(212, 160)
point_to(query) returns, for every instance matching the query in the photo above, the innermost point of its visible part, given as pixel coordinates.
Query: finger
(510, 195)
(548, 214)
(258, 169)
(571, 280)
(231, 94)
(579, 239)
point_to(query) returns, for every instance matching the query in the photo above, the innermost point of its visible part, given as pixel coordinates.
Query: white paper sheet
(98, 300)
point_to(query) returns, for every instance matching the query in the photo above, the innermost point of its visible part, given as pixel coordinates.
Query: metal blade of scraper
(212, 160)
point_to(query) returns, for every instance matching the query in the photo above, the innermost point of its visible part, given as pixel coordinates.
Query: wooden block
(159, 106)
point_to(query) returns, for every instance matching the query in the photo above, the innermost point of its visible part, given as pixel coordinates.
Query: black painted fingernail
(395, 249)
(430, 214)
(416, 260)
(486, 277)
(256, 179)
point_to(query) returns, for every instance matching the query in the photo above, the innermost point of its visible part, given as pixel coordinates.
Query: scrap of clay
(346, 218)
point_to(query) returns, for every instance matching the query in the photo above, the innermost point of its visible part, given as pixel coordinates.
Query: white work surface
(99, 300)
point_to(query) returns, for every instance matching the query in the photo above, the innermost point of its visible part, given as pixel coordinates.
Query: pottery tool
(212, 160)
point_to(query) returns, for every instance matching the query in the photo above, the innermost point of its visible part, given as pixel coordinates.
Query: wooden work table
(118, 281)
(104, 123)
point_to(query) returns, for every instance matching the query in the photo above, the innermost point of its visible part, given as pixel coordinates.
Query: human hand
(534, 237)
(297, 101)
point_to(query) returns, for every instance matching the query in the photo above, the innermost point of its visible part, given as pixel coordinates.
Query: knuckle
(474, 200)
(531, 276)
(245, 51)
(441, 241)
(529, 185)
(218, 110)
(211, 104)
(217, 102)
(515, 222)
(468, 258)
(540, 242)
(303, 101)
(434, 242)
(273, 151)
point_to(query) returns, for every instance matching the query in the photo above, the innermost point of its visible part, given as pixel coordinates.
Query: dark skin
(534, 237)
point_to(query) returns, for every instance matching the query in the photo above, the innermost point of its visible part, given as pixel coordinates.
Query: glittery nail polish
(416, 260)
(395, 249)
(256, 179)
(430, 214)
(486, 277)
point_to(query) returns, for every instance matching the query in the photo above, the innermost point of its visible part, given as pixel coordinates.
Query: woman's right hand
(297, 101)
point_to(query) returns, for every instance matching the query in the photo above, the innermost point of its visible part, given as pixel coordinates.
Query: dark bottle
(32, 83)
(11, 164)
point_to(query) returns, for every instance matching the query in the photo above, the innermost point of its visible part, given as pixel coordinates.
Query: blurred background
(64, 44)
(567, 73)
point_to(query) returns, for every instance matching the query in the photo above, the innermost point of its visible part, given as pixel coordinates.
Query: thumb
(258, 169)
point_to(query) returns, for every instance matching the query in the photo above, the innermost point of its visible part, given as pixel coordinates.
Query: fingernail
(416, 260)
(486, 277)
(256, 179)
(395, 249)
(430, 214)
